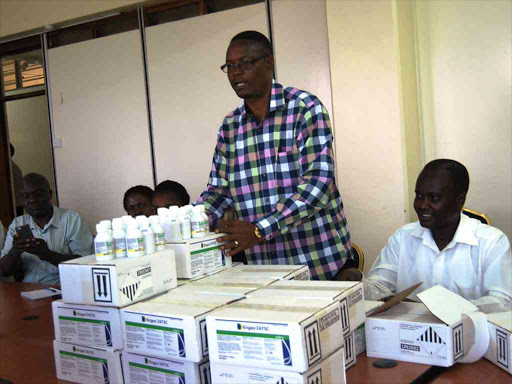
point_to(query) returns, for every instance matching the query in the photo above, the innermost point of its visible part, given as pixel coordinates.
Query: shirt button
(267, 200)
(264, 175)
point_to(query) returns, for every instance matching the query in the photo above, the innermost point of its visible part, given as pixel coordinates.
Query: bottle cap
(162, 212)
(154, 220)
(99, 228)
(106, 224)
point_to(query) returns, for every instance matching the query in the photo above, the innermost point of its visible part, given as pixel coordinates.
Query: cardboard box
(171, 326)
(349, 295)
(215, 289)
(500, 345)
(118, 282)
(329, 370)
(277, 333)
(282, 272)
(87, 365)
(87, 325)
(434, 332)
(233, 282)
(140, 369)
(199, 256)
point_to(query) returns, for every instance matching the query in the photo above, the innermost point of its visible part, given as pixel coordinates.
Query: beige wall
(29, 132)
(365, 88)
(186, 118)
(23, 15)
(465, 52)
(99, 112)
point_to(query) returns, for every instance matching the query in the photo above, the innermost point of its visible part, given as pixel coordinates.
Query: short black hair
(458, 172)
(36, 180)
(169, 186)
(256, 37)
(138, 190)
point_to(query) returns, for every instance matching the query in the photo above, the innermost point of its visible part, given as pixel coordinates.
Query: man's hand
(349, 274)
(239, 236)
(34, 246)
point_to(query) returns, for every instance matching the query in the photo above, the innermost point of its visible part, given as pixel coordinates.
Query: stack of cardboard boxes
(88, 338)
(288, 331)
(125, 321)
(165, 338)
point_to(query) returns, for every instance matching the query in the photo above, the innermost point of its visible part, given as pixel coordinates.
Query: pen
(53, 290)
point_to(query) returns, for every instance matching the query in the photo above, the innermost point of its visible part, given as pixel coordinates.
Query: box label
(315, 377)
(136, 284)
(423, 340)
(345, 318)
(154, 371)
(253, 341)
(329, 319)
(205, 375)
(89, 327)
(458, 342)
(267, 378)
(102, 285)
(83, 365)
(206, 257)
(302, 276)
(157, 334)
(350, 353)
(502, 348)
(355, 297)
(312, 337)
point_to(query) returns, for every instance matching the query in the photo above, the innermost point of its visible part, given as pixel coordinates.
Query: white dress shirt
(476, 264)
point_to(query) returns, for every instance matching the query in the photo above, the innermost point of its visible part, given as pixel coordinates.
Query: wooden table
(364, 372)
(26, 350)
(26, 346)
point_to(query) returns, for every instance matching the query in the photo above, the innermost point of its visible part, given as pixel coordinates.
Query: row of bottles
(129, 237)
(183, 223)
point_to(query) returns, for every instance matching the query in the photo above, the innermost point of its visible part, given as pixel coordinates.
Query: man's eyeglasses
(244, 65)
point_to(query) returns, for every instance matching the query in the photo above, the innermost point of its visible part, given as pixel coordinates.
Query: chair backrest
(358, 254)
(476, 215)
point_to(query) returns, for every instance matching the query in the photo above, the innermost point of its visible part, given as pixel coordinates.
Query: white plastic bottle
(134, 240)
(140, 219)
(147, 232)
(126, 219)
(205, 218)
(185, 225)
(119, 238)
(154, 223)
(174, 226)
(107, 224)
(103, 244)
(163, 214)
(197, 223)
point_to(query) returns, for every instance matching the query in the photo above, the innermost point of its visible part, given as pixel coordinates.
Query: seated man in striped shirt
(274, 166)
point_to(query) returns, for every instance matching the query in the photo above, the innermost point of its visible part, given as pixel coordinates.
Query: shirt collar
(55, 220)
(465, 234)
(277, 99)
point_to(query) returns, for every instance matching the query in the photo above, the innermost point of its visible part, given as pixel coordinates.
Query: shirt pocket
(287, 171)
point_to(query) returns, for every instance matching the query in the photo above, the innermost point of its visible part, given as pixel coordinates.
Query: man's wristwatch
(258, 234)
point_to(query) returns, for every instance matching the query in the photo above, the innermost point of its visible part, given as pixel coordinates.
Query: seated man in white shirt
(444, 248)
(59, 235)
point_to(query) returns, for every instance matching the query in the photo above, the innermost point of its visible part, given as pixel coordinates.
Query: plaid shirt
(279, 175)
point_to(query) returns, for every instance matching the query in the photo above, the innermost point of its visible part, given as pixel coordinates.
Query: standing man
(58, 235)
(273, 164)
